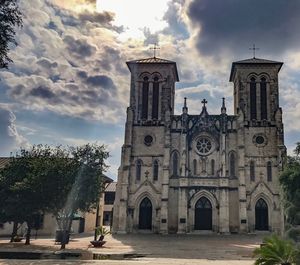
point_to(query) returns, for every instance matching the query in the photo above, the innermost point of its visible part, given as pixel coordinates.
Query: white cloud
(10, 139)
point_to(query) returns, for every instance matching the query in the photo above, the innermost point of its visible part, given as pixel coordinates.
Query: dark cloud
(233, 25)
(79, 47)
(176, 27)
(42, 92)
(111, 60)
(102, 81)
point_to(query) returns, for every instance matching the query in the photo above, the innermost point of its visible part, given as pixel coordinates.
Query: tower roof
(153, 60)
(252, 61)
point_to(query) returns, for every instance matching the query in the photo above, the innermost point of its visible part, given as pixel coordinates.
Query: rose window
(204, 146)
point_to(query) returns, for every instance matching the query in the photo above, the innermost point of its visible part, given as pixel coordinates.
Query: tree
(87, 186)
(290, 183)
(10, 17)
(55, 180)
(26, 184)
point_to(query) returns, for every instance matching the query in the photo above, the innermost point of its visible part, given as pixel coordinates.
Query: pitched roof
(253, 61)
(153, 60)
(111, 187)
(4, 161)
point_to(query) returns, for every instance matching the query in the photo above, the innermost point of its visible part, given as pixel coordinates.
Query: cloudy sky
(69, 83)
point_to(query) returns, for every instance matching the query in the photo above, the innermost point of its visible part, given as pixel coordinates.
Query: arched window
(253, 99)
(252, 171)
(145, 93)
(155, 170)
(269, 171)
(263, 99)
(155, 98)
(232, 167)
(212, 167)
(195, 167)
(175, 163)
(138, 170)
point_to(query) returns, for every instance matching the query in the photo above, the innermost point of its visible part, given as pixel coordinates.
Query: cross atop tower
(254, 49)
(204, 101)
(154, 48)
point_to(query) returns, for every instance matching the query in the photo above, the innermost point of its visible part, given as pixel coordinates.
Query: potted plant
(276, 251)
(101, 232)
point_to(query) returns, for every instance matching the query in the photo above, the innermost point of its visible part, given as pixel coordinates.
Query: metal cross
(204, 101)
(254, 49)
(155, 48)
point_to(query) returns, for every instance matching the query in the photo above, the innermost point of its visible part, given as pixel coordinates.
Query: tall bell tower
(260, 141)
(144, 171)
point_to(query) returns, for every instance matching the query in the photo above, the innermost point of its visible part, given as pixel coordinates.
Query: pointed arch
(145, 95)
(232, 164)
(269, 171)
(175, 163)
(261, 215)
(263, 99)
(155, 98)
(155, 170)
(252, 170)
(138, 169)
(253, 114)
(145, 214)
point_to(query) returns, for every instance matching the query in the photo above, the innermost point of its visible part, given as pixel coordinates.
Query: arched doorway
(145, 215)
(261, 215)
(203, 214)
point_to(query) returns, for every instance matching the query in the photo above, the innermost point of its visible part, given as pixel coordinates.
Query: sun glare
(135, 15)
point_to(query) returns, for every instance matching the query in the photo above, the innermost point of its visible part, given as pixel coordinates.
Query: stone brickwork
(201, 173)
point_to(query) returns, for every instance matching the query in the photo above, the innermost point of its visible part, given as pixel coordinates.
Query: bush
(275, 250)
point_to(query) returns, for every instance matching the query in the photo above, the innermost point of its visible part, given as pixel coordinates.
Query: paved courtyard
(150, 249)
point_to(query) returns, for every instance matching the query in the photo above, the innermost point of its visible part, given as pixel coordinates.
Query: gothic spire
(185, 108)
(223, 108)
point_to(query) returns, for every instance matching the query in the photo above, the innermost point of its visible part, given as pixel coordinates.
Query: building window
(232, 167)
(175, 164)
(155, 170)
(145, 93)
(195, 167)
(253, 99)
(138, 170)
(213, 167)
(109, 198)
(252, 171)
(269, 171)
(155, 99)
(263, 99)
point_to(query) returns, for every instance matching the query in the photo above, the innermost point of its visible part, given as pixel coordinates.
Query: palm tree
(276, 251)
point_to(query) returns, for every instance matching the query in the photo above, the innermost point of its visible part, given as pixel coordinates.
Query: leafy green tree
(290, 183)
(10, 17)
(276, 251)
(87, 186)
(57, 180)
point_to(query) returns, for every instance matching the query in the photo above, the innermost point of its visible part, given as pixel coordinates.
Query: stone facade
(201, 173)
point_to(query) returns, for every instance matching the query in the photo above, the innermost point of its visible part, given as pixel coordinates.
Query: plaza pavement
(143, 249)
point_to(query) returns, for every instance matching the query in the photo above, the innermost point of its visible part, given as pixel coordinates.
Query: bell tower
(152, 89)
(256, 90)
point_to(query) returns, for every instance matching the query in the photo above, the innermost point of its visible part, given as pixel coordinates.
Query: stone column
(165, 178)
(182, 207)
(243, 221)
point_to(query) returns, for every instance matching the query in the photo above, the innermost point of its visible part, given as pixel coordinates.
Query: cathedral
(205, 172)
